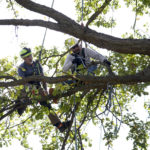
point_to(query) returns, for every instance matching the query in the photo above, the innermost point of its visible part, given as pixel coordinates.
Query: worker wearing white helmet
(81, 55)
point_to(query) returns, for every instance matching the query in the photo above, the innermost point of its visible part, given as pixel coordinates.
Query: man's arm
(97, 56)
(68, 63)
(21, 71)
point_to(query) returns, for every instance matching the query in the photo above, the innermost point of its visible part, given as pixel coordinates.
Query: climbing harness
(75, 128)
(79, 60)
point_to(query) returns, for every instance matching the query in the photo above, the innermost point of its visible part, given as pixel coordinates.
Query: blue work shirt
(26, 70)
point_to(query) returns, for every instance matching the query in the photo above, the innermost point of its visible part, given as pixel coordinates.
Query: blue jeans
(90, 70)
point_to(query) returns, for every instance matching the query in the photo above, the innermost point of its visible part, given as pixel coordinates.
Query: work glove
(107, 62)
(77, 61)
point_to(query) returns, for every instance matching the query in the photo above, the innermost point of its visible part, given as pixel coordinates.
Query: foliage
(137, 126)
(90, 7)
(103, 106)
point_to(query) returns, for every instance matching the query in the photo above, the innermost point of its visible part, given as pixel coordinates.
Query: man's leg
(21, 102)
(91, 69)
(21, 106)
(62, 126)
(53, 118)
(55, 100)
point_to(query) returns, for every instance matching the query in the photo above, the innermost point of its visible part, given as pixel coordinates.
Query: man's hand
(107, 62)
(77, 61)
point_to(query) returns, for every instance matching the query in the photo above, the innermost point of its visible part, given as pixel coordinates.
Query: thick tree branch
(44, 10)
(27, 22)
(8, 77)
(127, 46)
(143, 76)
(68, 26)
(100, 10)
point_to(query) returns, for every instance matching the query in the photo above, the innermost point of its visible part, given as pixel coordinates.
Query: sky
(10, 46)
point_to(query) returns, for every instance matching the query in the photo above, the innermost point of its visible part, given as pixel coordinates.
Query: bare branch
(22, 121)
(7, 114)
(70, 27)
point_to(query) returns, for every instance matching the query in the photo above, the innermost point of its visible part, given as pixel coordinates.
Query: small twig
(59, 61)
(8, 77)
(22, 121)
(81, 144)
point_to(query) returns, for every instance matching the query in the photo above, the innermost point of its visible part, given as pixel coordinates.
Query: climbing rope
(112, 16)
(16, 27)
(82, 11)
(40, 53)
(110, 104)
(75, 128)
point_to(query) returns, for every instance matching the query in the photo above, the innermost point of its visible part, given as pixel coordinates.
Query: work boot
(22, 108)
(55, 100)
(63, 126)
(48, 105)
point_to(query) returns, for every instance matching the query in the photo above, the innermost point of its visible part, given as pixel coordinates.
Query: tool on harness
(78, 60)
(21, 105)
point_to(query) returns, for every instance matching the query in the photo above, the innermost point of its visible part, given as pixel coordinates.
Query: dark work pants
(21, 103)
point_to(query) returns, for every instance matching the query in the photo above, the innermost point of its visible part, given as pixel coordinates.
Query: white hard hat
(72, 42)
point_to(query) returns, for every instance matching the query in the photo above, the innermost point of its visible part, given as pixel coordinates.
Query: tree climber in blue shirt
(30, 68)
